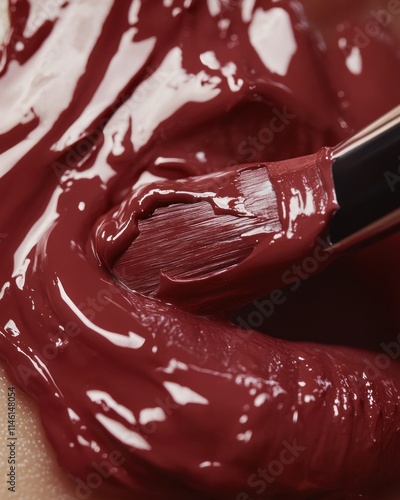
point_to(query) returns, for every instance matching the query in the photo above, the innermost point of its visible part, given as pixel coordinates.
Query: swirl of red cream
(96, 94)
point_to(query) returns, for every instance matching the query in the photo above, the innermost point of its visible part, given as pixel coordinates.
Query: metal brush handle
(366, 174)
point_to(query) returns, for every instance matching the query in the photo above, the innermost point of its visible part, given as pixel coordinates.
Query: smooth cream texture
(38, 475)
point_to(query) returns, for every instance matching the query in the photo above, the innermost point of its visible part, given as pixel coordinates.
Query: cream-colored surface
(3, 19)
(37, 476)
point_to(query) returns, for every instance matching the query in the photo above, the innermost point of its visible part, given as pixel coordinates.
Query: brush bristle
(190, 240)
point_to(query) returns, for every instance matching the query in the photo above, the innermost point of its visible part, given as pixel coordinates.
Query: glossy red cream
(210, 243)
(98, 98)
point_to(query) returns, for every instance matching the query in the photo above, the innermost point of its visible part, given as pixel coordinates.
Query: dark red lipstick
(100, 97)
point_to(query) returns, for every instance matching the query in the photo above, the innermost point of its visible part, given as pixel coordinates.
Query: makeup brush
(215, 242)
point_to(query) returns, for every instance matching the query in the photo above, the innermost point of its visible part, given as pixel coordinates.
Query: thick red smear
(91, 99)
(234, 238)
